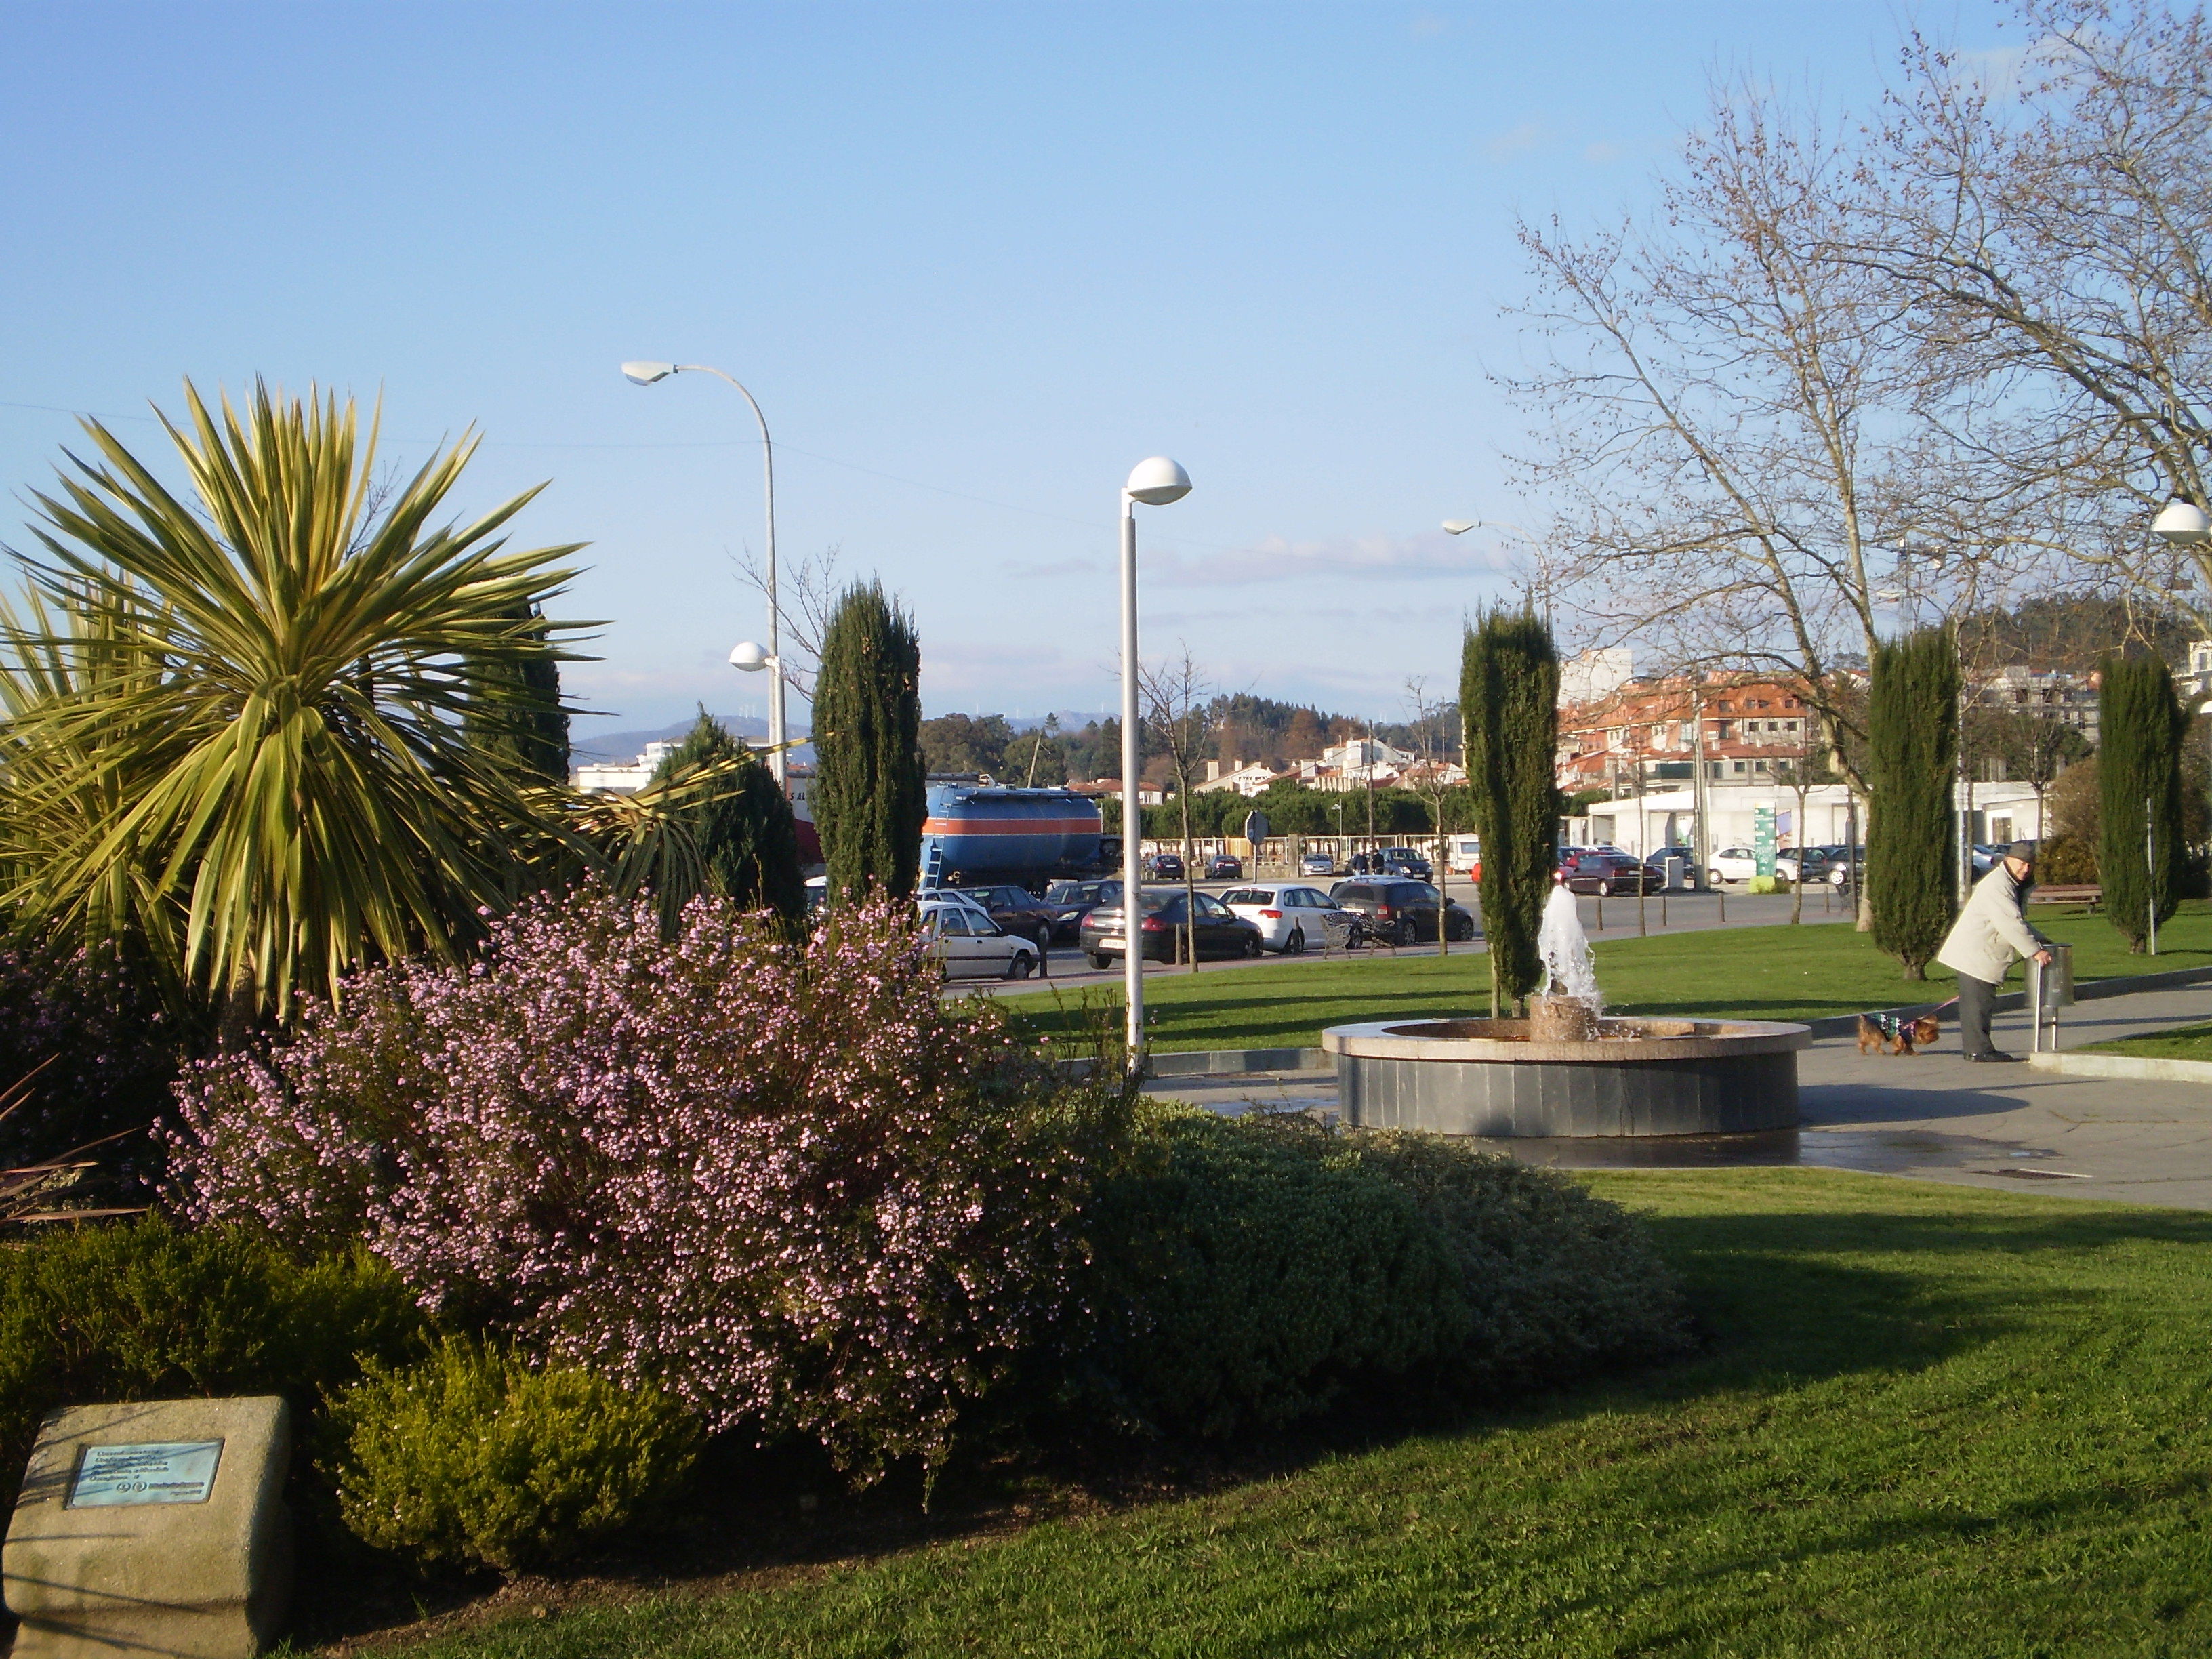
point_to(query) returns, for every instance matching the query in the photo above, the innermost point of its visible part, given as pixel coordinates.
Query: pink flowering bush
(92, 1038)
(788, 1182)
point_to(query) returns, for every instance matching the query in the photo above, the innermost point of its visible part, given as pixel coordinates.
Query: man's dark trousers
(1977, 1002)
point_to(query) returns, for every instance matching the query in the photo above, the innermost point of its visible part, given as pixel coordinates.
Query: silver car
(962, 938)
(1291, 919)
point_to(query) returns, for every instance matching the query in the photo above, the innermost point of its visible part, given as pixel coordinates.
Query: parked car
(1606, 873)
(1399, 910)
(1071, 901)
(968, 945)
(1164, 866)
(1403, 861)
(1801, 864)
(1225, 867)
(1841, 860)
(1316, 864)
(1018, 910)
(1216, 932)
(1741, 864)
(1292, 919)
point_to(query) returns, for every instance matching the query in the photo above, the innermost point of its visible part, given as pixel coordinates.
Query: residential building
(1245, 779)
(1644, 733)
(608, 779)
(2069, 699)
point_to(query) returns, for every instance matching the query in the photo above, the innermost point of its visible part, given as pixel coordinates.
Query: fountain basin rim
(1431, 1040)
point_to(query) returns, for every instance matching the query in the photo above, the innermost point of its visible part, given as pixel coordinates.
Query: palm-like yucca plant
(234, 724)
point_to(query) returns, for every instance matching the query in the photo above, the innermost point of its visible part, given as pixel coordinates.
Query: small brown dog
(1886, 1034)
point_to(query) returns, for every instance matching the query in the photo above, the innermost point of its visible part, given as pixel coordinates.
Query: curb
(2141, 1068)
(1218, 1062)
(1231, 1062)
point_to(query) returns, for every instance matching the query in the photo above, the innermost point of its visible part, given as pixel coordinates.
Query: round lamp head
(750, 657)
(647, 373)
(1460, 526)
(2181, 522)
(1157, 482)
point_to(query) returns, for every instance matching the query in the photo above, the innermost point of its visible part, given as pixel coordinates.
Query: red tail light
(1382, 912)
(1273, 915)
(1153, 925)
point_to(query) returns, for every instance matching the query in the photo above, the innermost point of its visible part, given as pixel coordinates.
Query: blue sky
(975, 261)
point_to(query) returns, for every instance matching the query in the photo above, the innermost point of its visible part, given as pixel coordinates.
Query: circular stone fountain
(1632, 1077)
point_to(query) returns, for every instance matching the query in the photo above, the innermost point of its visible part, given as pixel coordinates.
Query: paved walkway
(1929, 1117)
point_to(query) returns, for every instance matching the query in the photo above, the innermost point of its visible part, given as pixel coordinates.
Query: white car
(1741, 864)
(962, 938)
(1291, 918)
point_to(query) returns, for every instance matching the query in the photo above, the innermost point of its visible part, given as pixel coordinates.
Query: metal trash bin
(2049, 989)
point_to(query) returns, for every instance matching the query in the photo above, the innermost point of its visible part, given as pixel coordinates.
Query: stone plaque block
(153, 1528)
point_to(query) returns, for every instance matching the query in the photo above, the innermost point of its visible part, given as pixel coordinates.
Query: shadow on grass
(1785, 1297)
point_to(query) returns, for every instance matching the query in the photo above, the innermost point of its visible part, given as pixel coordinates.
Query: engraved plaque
(160, 1472)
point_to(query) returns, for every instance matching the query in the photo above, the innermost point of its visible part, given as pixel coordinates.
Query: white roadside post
(1156, 482)
(641, 373)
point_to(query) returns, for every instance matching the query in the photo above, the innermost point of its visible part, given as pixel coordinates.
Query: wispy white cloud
(1426, 556)
(1016, 570)
(1525, 137)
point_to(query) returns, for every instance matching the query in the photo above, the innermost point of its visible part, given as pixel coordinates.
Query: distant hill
(620, 748)
(1071, 720)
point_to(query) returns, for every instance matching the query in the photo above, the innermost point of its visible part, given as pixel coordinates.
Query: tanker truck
(979, 833)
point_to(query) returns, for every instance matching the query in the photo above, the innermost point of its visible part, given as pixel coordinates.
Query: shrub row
(1252, 1269)
(649, 1186)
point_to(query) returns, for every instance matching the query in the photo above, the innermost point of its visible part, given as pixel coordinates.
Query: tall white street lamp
(645, 374)
(1155, 482)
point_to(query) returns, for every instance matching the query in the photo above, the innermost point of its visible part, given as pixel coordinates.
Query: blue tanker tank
(978, 834)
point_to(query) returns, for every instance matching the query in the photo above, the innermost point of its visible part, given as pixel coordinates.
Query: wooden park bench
(2085, 893)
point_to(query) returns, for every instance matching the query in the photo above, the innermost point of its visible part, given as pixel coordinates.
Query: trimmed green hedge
(1242, 1281)
(473, 1458)
(1249, 1270)
(141, 1311)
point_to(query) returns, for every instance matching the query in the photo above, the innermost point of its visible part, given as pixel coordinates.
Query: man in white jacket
(1989, 934)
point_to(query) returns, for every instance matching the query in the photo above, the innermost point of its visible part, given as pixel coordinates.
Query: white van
(1463, 856)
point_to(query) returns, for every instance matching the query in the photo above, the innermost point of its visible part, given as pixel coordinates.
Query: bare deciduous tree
(807, 596)
(1179, 712)
(1435, 724)
(1730, 419)
(2052, 229)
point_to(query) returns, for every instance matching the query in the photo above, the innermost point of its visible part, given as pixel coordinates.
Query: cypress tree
(1913, 749)
(514, 710)
(2141, 726)
(870, 784)
(747, 837)
(1508, 691)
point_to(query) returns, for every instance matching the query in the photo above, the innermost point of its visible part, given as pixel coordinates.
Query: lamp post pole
(645, 374)
(1155, 482)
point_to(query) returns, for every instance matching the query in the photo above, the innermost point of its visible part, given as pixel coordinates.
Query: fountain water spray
(1570, 967)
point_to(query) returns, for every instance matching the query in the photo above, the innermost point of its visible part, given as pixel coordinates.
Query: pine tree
(1509, 705)
(747, 837)
(514, 706)
(1912, 748)
(870, 786)
(2141, 726)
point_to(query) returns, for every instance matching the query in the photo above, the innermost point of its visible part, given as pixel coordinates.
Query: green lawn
(2181, 1043)
(1932, 1421)
(1760, 973)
